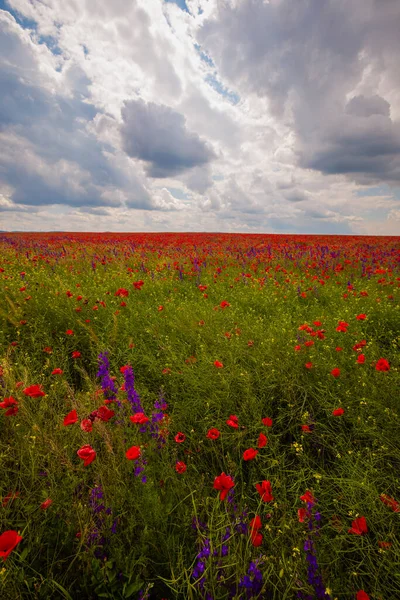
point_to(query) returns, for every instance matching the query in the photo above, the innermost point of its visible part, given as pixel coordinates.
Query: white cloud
(108, 104)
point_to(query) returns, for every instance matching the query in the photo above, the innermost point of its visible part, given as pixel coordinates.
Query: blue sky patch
(380, 190)
(21, 20)
(222, 90)
(181, 3)
(178, 193)
(204, 57)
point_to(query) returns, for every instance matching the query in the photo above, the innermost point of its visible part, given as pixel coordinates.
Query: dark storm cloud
(360, 106)
(369, 154)
(158, 135)
(307, 57)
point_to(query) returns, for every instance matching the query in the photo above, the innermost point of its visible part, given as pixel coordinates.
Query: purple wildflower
(252, 582)
(314, 578)
(99, 511)
(108, 386)
(132, 394)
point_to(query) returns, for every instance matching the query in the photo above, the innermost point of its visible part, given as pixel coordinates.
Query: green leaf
(62, 590)
(132, 588)
(24, 554)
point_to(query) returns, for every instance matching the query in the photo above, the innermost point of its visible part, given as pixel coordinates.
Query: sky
(251, 116)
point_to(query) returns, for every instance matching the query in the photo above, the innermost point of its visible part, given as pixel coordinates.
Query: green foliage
(346, 461)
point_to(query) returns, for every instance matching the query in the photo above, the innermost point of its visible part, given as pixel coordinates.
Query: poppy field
(210, 416)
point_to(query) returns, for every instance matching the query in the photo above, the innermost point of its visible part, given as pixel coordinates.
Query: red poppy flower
(160, 308)
(10, 496)
(180, 467)
(87, 454)
(267, 422)
(122, 292)
(191, 360)
(308, 365)
(57, 372)
(86, 425)
(390, 502)
(224, 304)
(104, 413)
(297, 348)
(34, 391)
(201, 323)
(337, 412)
(306, 429)
(69, 332)
(384, 545)
(7, 402)
(309, 343)
(335, 372)
(213, 434)
(264, 489)
(255, 523)
(361, 317)
(308, 497)
(262, 440)
(249, 454)
(139, 418)
(359, 526)
(76, 354)
(218, 364)
(256, 539)
(301, 513)
(359, 345)
(338, 349)
(8, 541)
(361, 595)
(382, 365)
(133, 453)
(223, 483)
(233, 422)
(342, 326)
(180, 437)
(71, 418)
(45, 505)
(361, 359)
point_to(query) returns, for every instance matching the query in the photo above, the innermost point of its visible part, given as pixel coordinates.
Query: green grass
(347, 462)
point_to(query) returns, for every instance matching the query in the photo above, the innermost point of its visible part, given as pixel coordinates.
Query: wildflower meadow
(206, 416)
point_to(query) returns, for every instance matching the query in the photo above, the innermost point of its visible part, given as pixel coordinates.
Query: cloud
(157, 135)
(271, 116)
(320, 65)
(362, 106)
(48, 155)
